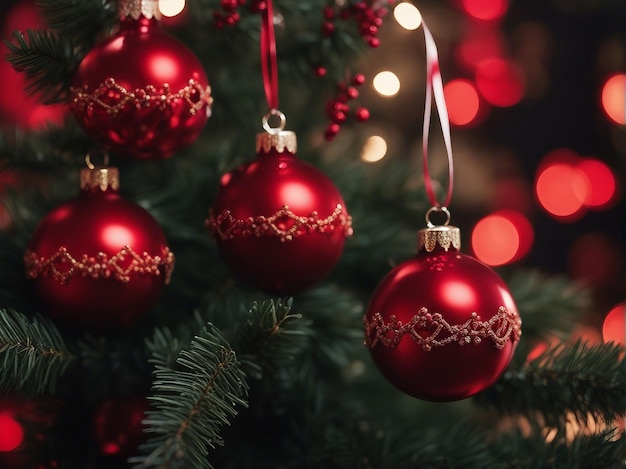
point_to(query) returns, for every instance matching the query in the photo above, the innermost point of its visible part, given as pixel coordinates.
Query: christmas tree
(198, 342)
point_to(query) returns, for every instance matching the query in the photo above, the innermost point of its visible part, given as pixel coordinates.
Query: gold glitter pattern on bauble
(284, 224)
(62, 266)
(113, 97)
(432, 330)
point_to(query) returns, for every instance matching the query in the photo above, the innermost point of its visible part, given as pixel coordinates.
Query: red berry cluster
(368, 17)
(229, 13)
(338, 109)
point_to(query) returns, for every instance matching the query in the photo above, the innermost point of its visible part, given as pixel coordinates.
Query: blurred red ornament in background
(117, 425)
(25, 425)
(614, 326)
(16, 107)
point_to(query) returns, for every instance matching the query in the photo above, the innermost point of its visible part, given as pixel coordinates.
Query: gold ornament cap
(136, 8)
(281, 141)
(99, 179)
(447, 238)
(438, 237)
(276, 138)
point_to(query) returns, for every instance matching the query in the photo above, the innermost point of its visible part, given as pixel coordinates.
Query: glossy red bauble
(141, 93)
(98, 261)
(280, 223)
(442, 326)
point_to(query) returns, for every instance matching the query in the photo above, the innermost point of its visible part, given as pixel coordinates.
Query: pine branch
(549, 306)
(114, 364)
(51, 150)
(192, 401)
(336, 340)
(605, 449)
(46, 58)
(566, 381)
(271, 336)
(81, 21)
(362, 444)
(33, 356)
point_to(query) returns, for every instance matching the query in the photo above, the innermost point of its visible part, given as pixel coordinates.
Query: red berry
(258, 6)
(229, 5)
(233, 18)
(339, 117)
(373, 42)
(335, 107)
(331, 131)
(329, 13)
(328, 29)
(358, 79)
(362, 114)
(320, 71)
(352, 92)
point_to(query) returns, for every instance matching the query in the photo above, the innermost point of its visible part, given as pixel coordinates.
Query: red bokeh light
(500, 82)
(485, 9)
(479, 42)
(502, 237)
(567, 184)
(614, 326)
(562, 189)
(601, 180)
(11, 433)
(614, 98)
(462, 101)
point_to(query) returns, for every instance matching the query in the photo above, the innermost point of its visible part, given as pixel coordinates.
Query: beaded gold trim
(284, 224)
(62, 266)
(432, 330)
(194, 95)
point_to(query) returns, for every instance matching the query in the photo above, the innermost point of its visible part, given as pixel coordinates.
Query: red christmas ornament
(117, 425)
(279, 222)
(141, 92)
(99, 261)
(442, 326)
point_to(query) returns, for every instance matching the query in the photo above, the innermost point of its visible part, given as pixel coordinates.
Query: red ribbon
(434, 86)
(268, 57)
